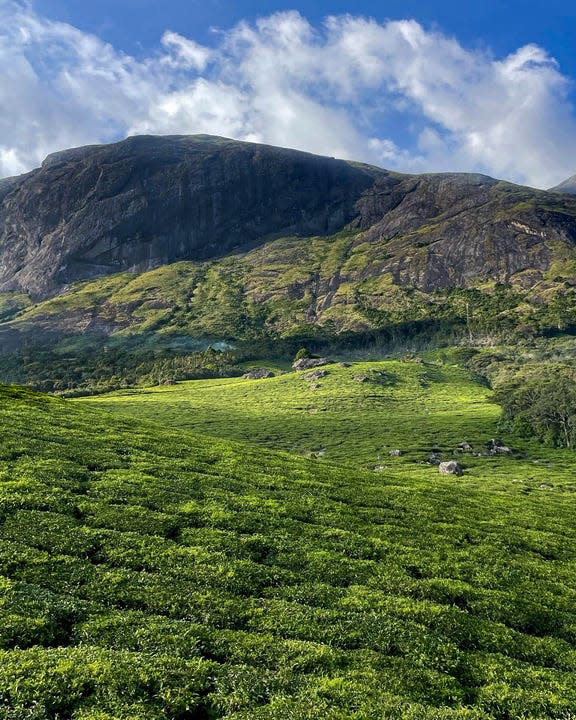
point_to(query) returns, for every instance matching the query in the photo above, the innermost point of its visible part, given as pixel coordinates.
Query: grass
(148, 572)
(412, 406)
(408, 405)
(157, 562)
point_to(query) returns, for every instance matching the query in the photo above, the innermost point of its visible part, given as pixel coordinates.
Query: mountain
(148, 201)
(183, 242)
(567, 186)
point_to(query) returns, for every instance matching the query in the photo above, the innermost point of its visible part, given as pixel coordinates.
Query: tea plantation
(152, 572)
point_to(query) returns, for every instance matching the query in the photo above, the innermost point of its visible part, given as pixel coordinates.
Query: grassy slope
(288, 283)
(413, 406)
(154, 573)
(406, 405)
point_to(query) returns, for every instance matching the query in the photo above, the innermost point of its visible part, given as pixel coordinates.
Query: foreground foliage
(154, 573)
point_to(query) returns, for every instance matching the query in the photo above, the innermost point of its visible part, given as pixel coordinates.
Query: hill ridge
(150, 200)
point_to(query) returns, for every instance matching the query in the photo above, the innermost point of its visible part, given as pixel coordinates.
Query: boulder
(361, 378)
(308, 363)
(464, 447)
(395, 453)
(451, 467)
(258, 374)
(497, 447)
(316, 375)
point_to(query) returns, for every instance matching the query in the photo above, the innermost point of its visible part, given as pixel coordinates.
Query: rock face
(147, 201)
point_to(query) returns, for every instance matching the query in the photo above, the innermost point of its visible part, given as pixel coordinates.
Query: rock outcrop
(308, 363)
(148, 201)
(258, 374)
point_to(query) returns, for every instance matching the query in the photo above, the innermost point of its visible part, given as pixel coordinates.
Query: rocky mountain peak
(148, 201)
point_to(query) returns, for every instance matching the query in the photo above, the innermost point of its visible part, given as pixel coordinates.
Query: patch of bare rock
(315, 375)
(309, 363)
(258, 374)
(451, 467)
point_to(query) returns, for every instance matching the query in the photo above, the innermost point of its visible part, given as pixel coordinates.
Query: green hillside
(291, 285)
(354, 415)
(150, 572)
(327, 293)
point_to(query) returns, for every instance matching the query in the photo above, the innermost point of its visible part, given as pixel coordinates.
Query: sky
(479, 86)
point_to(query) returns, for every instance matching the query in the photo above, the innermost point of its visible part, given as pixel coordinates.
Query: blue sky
(502, 25)
(414, 86)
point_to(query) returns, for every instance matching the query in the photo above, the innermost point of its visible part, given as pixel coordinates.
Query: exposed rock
(315, 386)
(146, 201)
(345, 364)
(258, 374)
(307, 363)
(434, 458)
(464, 447)
(497, 447)
(451, 467)
(361, 378)
(316, 375)
(395, 453)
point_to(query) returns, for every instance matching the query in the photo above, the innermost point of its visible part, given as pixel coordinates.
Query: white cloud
(186, 53)
(394, 94)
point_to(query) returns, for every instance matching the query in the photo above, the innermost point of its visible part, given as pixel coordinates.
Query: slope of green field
(353, 415)
(151, 573)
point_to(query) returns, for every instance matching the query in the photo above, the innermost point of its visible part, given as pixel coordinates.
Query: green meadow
(355, 415)
(159, 560)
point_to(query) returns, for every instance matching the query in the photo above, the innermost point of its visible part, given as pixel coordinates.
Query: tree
(302, 353)
(543, 407)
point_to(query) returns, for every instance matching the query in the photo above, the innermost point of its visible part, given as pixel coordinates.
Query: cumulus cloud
(391, 93)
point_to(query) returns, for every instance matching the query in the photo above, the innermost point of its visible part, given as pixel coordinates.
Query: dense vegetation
(84, 368)
(542, 404)
(129, 329)
(155, 573)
